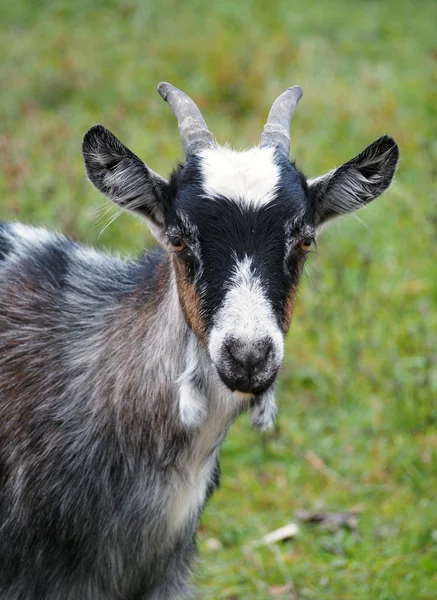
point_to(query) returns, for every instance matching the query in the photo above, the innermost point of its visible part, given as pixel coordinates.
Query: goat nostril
(250, 358)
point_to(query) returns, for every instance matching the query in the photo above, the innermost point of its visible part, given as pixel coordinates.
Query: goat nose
(250, 359)
(248, 365)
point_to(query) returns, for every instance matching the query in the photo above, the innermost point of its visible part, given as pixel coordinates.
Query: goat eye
(178, 245)
(305, 244)
(183, 251)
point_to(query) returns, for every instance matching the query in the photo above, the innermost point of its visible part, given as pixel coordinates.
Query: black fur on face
(219, 232)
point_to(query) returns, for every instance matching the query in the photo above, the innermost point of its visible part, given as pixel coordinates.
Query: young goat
(119, 379)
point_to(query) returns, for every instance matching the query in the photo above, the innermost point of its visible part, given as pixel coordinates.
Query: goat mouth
(255, 394)
(247, 393)
(240, 395)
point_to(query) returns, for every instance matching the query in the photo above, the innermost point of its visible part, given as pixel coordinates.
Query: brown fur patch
(291, 298)
(288, 308)
(190, 301)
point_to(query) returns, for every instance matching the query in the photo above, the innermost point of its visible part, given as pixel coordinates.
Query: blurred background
(357, 428)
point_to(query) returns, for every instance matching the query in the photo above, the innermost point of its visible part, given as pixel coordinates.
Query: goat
(120, 378)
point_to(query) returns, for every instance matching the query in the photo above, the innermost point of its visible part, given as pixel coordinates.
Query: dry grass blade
(287, 532)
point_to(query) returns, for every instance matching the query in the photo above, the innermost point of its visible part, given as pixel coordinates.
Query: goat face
(238, 226)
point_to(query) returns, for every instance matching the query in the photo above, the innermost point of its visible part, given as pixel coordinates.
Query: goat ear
(122, 177)
(357, 182)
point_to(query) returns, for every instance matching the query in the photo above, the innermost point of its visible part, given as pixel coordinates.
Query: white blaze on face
(245, 314)
(249, 178)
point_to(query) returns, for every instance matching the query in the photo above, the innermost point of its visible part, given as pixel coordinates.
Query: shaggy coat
(119, 379)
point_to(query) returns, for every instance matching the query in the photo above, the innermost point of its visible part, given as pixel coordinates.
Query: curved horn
(277, 129)
(194, 132)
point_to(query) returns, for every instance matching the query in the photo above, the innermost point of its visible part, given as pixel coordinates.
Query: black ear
(357, 182)
(123, 177)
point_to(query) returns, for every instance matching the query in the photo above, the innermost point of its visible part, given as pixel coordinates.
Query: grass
(358, 395)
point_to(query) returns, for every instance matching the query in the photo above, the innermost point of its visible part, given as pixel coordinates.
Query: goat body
(119, 379)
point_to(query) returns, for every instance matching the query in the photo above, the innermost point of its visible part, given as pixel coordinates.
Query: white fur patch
(188, 494)
(23, 239)
(249, 177)
(192, 402)
(32, 235)
(209, 416)
(192, 405)
(246, 314)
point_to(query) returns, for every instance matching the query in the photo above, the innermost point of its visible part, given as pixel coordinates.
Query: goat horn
(277, 129)
(193, 130)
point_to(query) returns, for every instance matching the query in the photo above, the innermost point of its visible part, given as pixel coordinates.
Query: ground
(357, 427)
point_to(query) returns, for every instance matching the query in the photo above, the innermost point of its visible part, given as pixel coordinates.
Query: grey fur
(94, 457)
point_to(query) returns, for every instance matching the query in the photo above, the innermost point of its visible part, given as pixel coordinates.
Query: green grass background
(358, 408)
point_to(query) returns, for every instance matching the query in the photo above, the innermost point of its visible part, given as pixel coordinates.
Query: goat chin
(263, 411)
(243, 395)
